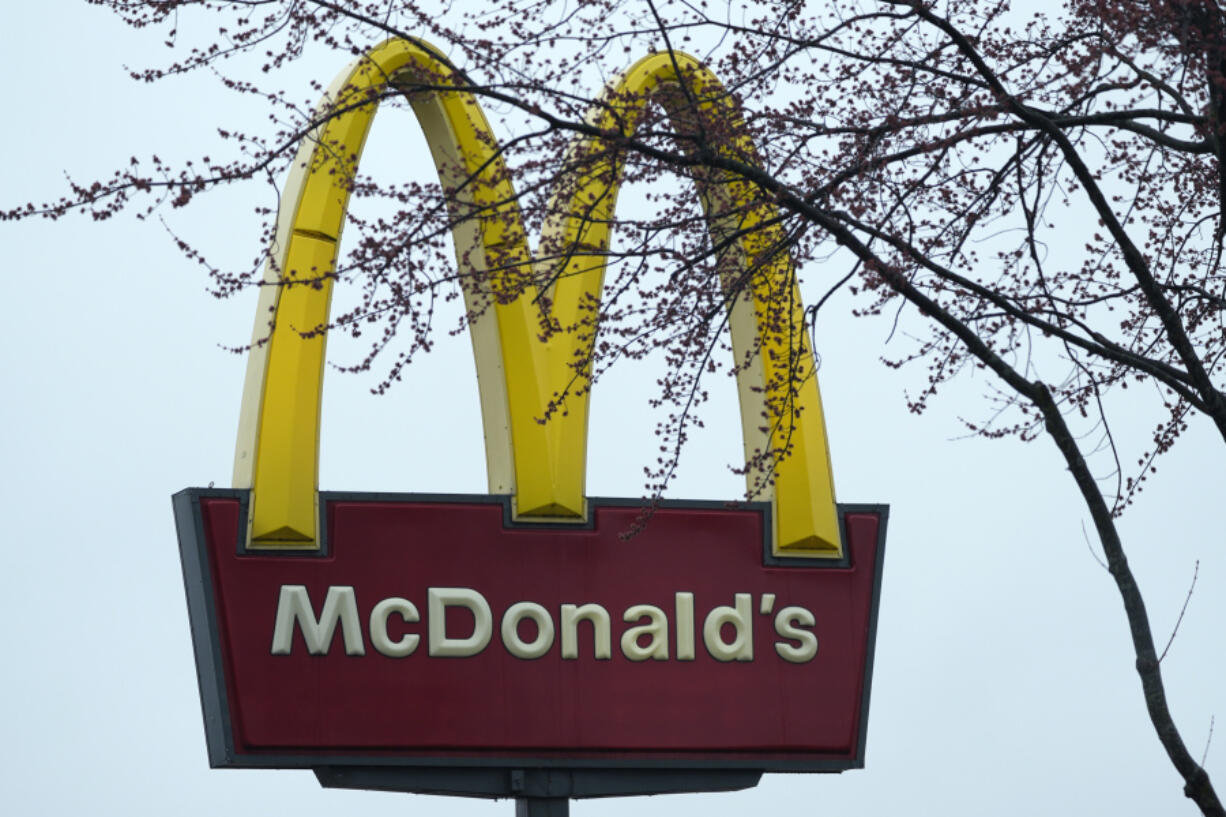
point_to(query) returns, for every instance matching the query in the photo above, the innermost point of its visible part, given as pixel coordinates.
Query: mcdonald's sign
(442, 642)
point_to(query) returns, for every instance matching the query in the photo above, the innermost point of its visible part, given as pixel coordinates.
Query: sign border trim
(219, 736)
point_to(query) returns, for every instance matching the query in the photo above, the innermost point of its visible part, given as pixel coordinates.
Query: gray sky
(1003, 680)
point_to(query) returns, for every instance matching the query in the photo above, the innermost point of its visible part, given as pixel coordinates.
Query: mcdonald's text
(727, 631)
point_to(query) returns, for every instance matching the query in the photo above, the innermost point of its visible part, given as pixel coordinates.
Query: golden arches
(542, 465)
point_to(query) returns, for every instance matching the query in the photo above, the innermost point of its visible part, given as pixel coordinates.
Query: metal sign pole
(542, 807)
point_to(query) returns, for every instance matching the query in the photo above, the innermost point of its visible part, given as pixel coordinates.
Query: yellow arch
(542, 465)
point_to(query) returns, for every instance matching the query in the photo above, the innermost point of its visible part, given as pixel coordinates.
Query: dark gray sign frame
(538, 783)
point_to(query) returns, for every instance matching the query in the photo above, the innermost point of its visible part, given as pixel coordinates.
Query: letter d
(741, 618)
(438, 599)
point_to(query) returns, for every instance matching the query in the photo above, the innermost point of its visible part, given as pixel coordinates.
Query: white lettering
(684, 610)
(740, 617)
(727, 631)
(438, 599)
(378, 628)
(601, 636)
(294, 607)
(510, 630)
(657, 630)
(785, 626)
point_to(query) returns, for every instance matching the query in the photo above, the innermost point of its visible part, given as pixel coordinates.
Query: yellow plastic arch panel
(777, 378)
(277, 452)
(521, 377)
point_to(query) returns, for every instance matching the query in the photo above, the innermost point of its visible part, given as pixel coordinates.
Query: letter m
(294, 607)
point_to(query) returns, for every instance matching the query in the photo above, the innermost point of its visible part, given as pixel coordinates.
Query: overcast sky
(1003, 681)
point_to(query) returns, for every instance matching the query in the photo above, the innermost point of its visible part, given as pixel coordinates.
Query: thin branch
(1182, 610)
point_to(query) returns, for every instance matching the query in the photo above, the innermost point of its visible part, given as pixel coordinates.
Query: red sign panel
(433, 630)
